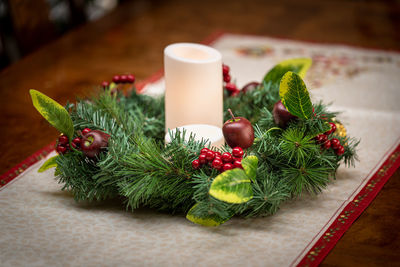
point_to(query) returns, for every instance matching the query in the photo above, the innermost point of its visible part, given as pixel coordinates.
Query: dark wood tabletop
(131, 39)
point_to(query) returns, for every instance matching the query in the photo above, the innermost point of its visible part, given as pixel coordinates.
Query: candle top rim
(213, 55)
(214, 136)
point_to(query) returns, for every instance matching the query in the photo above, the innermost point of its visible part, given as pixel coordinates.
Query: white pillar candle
(200, 131)
(193, 85)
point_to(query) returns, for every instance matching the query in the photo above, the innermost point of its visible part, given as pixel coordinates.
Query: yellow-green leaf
(297, 65)
(53, 112)
(232, 186)
(204, 219)
(50, 163)
(249, 164)
(294, 95)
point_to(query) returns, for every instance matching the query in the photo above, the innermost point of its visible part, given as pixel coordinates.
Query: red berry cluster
(63, 147)
(63, 144)
(119, 79)
(216, 160)
(330, 143)
(230, 87)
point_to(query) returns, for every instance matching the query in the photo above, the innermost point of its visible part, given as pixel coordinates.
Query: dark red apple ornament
(93, 142)
(238, 132)
(281, 115)
(251, 86)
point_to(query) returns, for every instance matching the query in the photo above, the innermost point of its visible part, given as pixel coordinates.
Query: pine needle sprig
(270, 192)
(77, 174)
(159, 172)
(311, 177)
(318, 123)
(298, 146)
(266, 142)
(350, 153)
(208, 205)
(250, 104)
(266, 120)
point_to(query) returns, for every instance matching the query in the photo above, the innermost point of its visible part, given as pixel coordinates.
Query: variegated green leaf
(232, 186)
(53, 112)
(50, 163)
(294, 95)
(297, 65)
(249, 164)
(205, 219)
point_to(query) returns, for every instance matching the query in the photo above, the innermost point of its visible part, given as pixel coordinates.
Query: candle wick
(233, 117)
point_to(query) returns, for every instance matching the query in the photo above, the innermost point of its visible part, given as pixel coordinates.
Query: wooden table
(132, 38)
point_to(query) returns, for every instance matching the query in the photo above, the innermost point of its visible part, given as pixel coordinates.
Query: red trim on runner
(25, 164)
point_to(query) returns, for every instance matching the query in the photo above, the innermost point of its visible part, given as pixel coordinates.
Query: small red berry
(61, 149)
(116, 79)
(237, 152)
(86, 131)
(123, 78)
(335, 143)
(217, 153)
(130, 78)
(76, 140)
(227, 78)
(217, 164)
(218, 157)
(321, 138)
(105, 84)
(235, 93)
(63, 139)
(332, 130)
(327, 144)
(227, 157)
(227, 166)
(202, 159)
(340, 150)
(231, 87)
(225, 69)
(196, 164)
(204, 150)
(238, 163)
(210, 155)
(333, 127)
(74, 145)
(234, 158)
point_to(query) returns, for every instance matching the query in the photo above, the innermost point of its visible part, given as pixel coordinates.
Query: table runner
(41, 225)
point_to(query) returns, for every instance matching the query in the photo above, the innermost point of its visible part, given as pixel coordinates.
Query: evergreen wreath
(113, 145)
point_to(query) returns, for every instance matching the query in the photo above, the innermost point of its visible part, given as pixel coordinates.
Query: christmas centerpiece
(279, 145)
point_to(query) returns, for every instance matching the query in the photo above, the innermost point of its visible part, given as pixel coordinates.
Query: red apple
(93, 142)
(281, 115)
(250, 87)
(238, 132)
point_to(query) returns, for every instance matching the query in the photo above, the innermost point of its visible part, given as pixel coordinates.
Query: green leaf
(232, 186)
(53, 112)
(50, 163)
(249, 164)
(294, 95)
(206, 219)
(297, 65)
